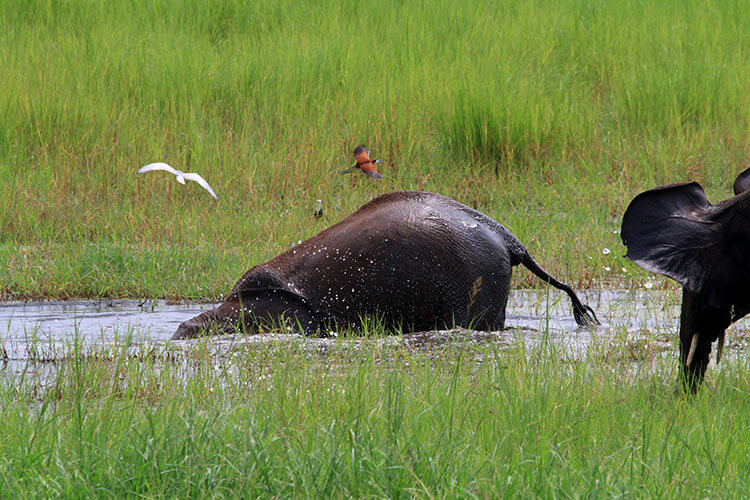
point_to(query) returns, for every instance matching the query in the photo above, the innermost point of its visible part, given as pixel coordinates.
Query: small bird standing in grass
(318, 209)
(181, 176)
(364, 163)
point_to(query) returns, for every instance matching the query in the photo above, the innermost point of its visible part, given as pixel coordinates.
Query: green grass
(548, 116)
(366, 420)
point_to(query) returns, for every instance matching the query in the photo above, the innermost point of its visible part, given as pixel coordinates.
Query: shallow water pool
(47, 332)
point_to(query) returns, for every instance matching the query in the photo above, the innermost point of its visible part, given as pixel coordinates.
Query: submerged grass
(364, 419)
(548, 116)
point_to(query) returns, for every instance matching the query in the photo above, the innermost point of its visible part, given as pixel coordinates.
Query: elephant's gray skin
(673, 230)
(415, 260)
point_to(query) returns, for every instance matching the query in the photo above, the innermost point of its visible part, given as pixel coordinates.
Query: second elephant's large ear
(673, 230)
(742, 183)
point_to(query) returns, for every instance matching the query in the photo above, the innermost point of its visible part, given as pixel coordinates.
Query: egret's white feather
(159, 166)
(200, 180)
(181, 176)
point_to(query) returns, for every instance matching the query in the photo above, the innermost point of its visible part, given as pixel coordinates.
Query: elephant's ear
(742, 182)
(674, 231)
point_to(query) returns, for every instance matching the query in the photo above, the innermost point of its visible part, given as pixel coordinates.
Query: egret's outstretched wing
(197, 178)
(159, 166)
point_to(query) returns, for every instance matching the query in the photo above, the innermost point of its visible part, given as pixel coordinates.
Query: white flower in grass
(606, 251)
(648, 285)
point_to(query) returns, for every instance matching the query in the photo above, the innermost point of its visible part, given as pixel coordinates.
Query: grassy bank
(548, 116)
(455, 421)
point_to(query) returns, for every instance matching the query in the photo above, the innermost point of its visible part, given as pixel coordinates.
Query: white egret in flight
(181, 176)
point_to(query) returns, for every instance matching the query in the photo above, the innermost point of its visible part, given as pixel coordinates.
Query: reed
(370, 418)
(548, 116)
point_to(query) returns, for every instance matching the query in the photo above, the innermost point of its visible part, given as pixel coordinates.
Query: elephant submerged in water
(673, 230)
(414, 260)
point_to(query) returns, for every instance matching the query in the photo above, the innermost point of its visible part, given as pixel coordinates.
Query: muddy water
(34, 336)
(35, 333)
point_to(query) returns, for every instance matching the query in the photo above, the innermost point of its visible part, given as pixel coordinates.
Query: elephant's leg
(694, 357)
(488, 313)
(488, 320)
(700, 325)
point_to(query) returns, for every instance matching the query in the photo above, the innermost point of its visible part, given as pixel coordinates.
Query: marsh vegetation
(547, 116)
(371, 418)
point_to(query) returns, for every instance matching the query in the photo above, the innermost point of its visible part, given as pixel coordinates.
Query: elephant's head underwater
(673, 230)
(415, 260)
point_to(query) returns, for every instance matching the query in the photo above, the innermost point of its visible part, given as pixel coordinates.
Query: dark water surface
(47, 332)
